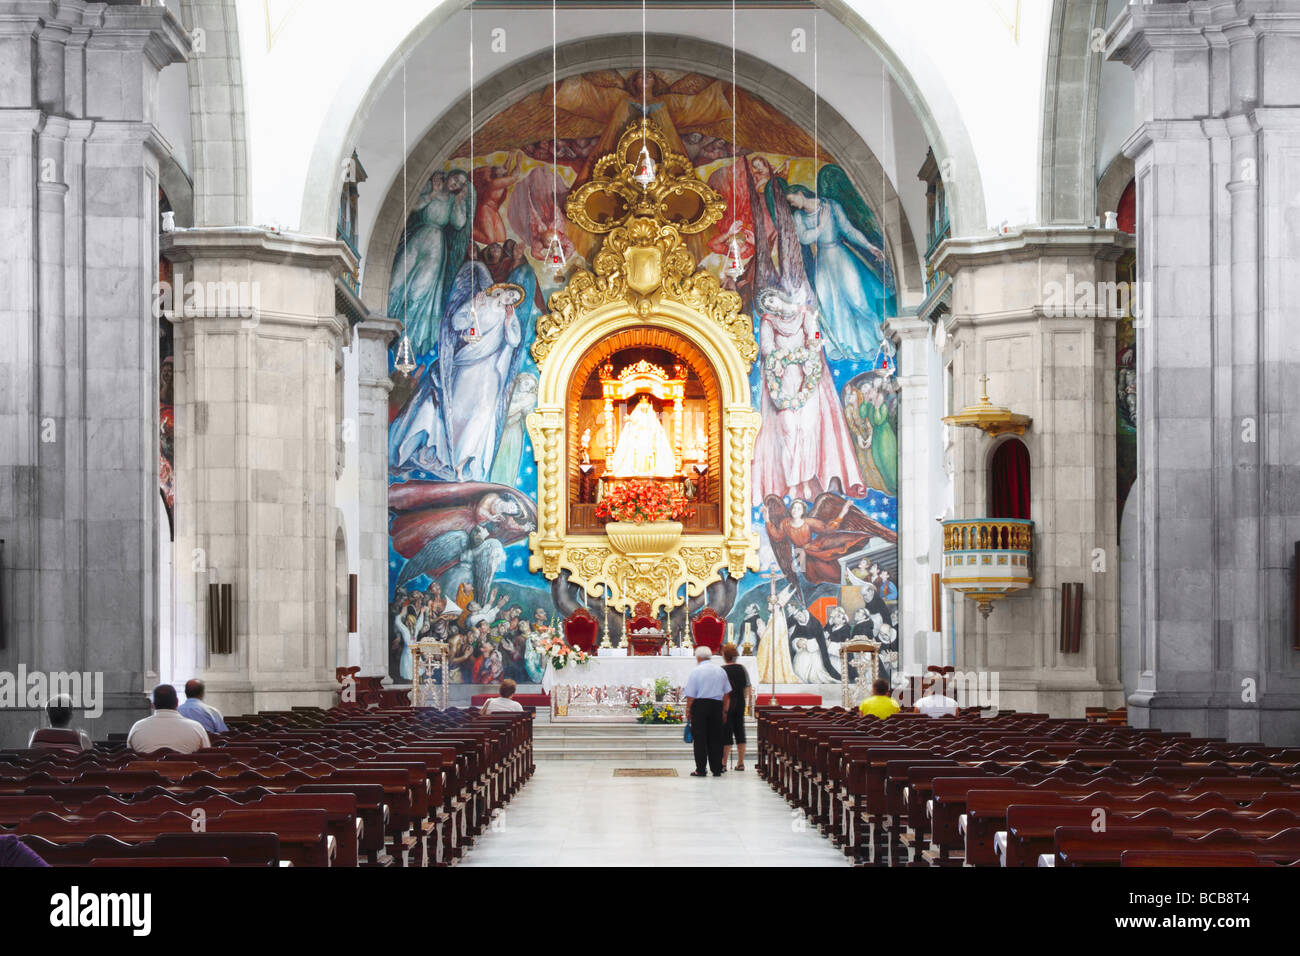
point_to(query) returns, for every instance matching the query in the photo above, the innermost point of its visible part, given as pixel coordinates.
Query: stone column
(1217, 163)
(79, 410)
(1032, 311)
(915, 507)
(374, 336)
(256, 343)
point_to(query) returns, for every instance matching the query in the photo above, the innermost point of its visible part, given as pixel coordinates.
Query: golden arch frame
(644, 276)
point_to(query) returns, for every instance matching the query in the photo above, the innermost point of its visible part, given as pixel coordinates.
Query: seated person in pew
(937, 703)
(59, 735)
(880, 703)
(504, 703)
(166, 727)
(199, 711)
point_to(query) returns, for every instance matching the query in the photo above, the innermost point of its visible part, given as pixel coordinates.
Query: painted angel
(810, 541)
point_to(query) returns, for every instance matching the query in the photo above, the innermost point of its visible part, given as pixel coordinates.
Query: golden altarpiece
(644, 372)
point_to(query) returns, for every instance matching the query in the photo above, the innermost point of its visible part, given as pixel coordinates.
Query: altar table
(609, 688)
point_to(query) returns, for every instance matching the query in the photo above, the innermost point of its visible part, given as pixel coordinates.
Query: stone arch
(638, 336)
(1113, 182)
(504, 88)
(341, 619)
(920, 83)
(178, 188)
(1067, 177)
(219, 137)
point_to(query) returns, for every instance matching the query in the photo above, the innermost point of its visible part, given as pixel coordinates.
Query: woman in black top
(742, 693)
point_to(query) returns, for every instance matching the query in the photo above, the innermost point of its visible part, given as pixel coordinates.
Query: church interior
(407, 395)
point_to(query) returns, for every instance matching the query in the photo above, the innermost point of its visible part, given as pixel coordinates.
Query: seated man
(200, 712)
(503, 704)
(59, 735)
(166, 728)
(937, 703)
(880, 703)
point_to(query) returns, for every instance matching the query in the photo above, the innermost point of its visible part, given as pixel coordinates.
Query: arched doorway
(609, 381)
(1009, 489)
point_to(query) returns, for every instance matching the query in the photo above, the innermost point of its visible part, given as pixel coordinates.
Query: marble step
(553, 734)
(615, 741)
(680, 753)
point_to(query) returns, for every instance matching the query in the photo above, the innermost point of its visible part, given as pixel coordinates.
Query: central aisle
(577, 813)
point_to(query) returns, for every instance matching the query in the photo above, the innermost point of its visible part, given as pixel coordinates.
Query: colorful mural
(470, 276)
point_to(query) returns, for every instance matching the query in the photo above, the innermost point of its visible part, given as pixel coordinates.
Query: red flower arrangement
(641, 501)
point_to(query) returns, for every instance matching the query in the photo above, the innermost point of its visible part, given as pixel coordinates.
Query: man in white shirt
(166, 727)
(504, 704)
(708, 694)
(937, 703)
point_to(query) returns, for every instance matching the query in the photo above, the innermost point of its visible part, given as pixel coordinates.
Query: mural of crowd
(469, 278)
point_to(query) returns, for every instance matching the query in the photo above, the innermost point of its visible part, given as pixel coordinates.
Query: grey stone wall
(257, 431)
(1053, 360)
(79, 156)
(1218, 489)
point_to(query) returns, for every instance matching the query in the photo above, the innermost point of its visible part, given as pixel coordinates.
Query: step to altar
(564, 741)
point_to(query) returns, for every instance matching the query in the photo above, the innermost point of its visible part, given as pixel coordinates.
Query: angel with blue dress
(849, 269)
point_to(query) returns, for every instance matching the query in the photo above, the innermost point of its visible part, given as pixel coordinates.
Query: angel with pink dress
(804, 447)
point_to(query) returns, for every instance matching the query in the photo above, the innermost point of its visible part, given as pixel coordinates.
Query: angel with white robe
(478, 355)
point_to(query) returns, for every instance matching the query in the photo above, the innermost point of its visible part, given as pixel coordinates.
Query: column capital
(154, 31)
(380, 328)
(903, 328)
(260, 245)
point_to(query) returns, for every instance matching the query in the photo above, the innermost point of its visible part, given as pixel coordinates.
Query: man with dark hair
(59, 735)
(880, 703)
(166, 727)
(197, 710)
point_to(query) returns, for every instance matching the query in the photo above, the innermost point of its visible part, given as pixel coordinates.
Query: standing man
(707, 693)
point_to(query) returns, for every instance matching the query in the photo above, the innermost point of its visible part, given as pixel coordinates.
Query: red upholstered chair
(581, 631)
(646, 646)
(640, 620)
(708, 629)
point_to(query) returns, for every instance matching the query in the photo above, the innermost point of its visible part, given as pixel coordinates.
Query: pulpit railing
(988, 534)
(987, 558)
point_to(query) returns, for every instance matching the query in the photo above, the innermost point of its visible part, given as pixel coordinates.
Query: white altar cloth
(631, 671)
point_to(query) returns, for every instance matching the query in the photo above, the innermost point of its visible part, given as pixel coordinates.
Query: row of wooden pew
(1029, 790)
(307, 787)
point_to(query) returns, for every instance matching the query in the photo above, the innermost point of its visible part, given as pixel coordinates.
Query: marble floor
(577, 813)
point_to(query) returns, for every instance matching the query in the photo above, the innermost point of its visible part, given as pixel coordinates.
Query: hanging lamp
(404, 360)
(474, 289)
(555, 259)
(645, 172)
(735, 267)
